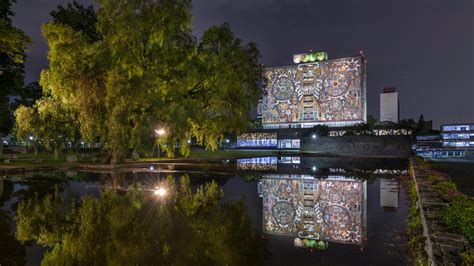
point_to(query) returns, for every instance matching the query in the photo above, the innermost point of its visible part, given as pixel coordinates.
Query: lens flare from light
(160, 192)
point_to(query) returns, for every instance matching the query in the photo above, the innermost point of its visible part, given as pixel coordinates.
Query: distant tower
(389, 105)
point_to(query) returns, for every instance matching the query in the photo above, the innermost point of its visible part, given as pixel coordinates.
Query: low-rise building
(455, 140)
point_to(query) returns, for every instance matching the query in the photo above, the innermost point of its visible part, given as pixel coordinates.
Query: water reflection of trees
(11, 251)
(136, 227)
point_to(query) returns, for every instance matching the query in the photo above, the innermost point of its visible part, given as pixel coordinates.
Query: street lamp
(314, 142)
(160, 132)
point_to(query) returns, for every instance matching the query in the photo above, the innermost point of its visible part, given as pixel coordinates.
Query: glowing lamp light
(31, 137)
(152, 168)
(314, 136)
(160, 132)
(227, 141)
(314, 168)
(160, 192)
(189, 141)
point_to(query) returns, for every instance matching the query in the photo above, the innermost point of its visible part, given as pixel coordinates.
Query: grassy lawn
(43, 159)
(39, 159)
(461, 172)
(219, 154)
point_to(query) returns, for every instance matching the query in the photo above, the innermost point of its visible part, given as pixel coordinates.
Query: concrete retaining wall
(360, 146)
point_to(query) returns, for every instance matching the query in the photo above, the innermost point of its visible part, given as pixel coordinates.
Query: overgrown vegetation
(445, 188)
(459, 215)
(467, 257)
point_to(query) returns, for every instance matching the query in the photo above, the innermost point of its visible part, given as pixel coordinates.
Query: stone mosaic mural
(326, 91)
(330, 209)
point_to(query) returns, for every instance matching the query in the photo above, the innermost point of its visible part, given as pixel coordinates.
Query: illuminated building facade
(389, 105)
(456, 140)
(458, 135)
(329, 92)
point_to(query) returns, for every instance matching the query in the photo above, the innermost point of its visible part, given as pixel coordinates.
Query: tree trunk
(57, 151)
(117, 158)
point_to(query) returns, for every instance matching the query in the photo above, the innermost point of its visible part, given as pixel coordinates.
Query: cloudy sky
(425, 48)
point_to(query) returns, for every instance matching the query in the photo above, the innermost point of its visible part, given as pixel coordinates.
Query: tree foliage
(13, 43)
(135, 228)
(141, 69)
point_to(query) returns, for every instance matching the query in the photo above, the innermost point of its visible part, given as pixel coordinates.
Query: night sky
(424, 48)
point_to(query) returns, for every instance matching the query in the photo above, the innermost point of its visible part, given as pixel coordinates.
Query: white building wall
(389, 107)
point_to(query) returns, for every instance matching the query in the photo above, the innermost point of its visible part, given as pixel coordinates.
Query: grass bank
(461, 173)
(459, 215)
(416, 240)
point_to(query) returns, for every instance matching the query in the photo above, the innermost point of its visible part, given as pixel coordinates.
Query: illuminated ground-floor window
(289, 144)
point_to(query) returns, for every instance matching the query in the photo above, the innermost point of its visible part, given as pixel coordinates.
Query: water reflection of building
(258, 163)
(331, 209)
(389, 193)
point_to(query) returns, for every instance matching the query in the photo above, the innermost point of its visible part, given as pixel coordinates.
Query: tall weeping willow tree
(137, 69)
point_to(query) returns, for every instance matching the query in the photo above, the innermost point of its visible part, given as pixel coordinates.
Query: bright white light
(82, 142)
(314, 136)
(189, 141)
(314, 168)
(5, 142)
(160, 192)
(227, 141)
(160, 132)
(31, 137)
(152, 168)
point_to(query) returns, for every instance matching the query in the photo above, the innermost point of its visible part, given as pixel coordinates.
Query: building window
(289, 144)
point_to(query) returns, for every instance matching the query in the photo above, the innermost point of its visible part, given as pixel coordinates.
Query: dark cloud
(423, 47)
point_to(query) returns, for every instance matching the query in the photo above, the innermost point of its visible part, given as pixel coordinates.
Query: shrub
(467, 257)
(459, 216)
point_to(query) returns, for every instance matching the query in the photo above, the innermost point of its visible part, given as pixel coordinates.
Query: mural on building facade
(327, 209)
(326, 91)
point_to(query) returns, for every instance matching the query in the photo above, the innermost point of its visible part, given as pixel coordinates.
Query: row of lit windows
(441, 153)
(458, 128)
(458, 136)
(310, 125)
(458, 143)
(257, 143)
(282, 144)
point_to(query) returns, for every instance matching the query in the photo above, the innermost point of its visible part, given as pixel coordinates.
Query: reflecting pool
(251, 211)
